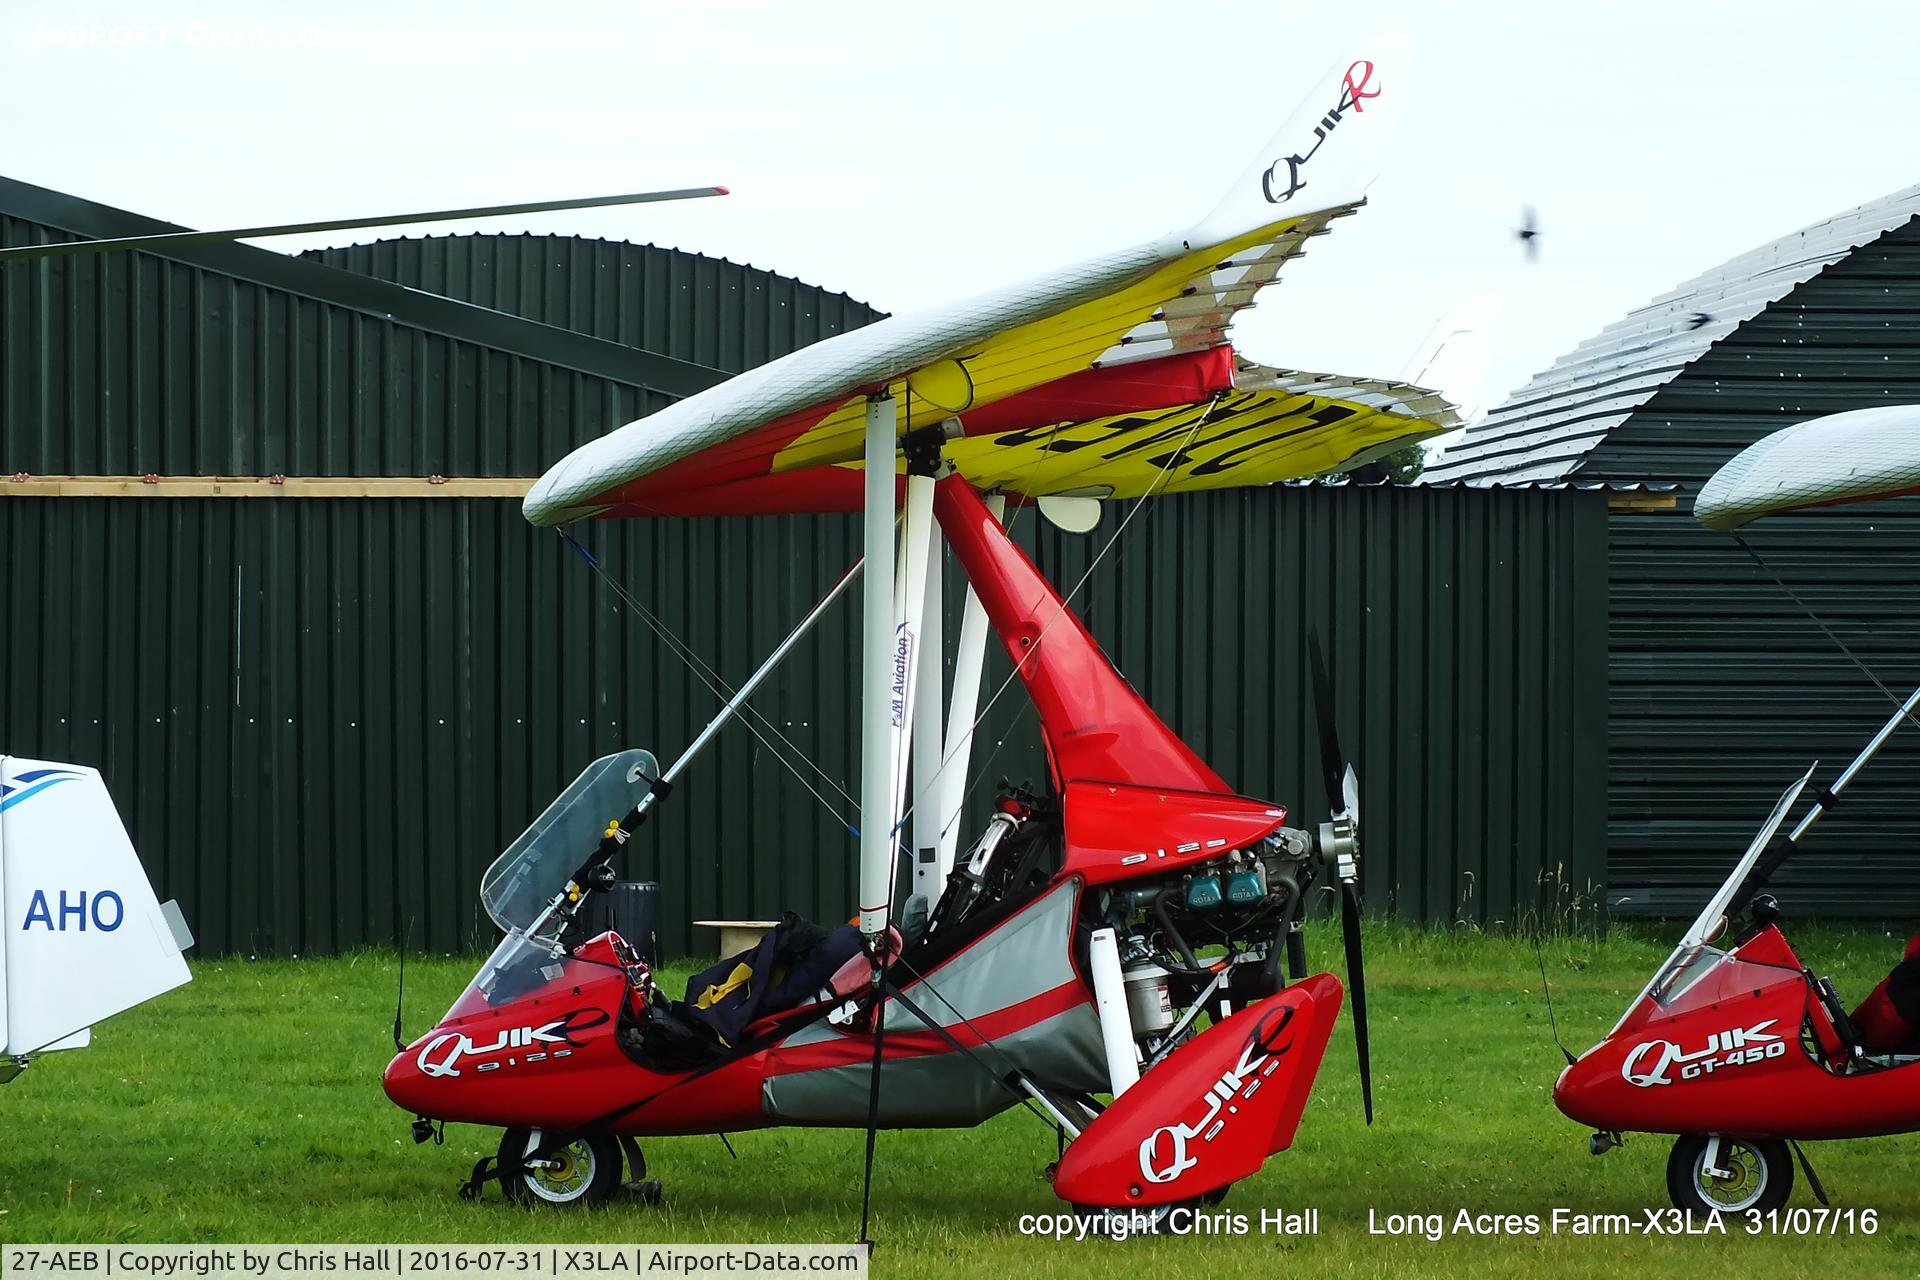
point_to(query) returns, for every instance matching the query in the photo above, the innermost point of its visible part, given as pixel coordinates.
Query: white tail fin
(1326, 154)
(83, 936)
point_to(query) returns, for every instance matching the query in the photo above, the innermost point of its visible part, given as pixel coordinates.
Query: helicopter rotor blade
(171, 239)
(1357, 987)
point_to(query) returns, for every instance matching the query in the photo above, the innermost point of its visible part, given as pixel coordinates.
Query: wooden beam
(32, 486)
(1641, 500)
(29, 486)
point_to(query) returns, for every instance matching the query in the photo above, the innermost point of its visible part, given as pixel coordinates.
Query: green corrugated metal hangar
(269, 574)
(1721, 688)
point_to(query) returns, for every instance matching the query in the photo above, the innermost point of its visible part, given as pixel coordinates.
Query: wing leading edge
(1855, 456)
(1136, 331)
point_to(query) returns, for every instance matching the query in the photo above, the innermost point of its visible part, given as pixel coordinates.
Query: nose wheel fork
(583, 1170)
(1729, 1175)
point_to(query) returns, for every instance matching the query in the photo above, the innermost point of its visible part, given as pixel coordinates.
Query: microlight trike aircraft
(1079, 945)
(1745, 1052)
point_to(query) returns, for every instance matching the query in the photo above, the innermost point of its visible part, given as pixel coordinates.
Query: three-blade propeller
(1340, 847)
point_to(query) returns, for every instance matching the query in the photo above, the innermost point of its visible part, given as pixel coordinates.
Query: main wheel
(1153, 1221)
(1759, 1175)
(1142, 1221)
(585, 1171)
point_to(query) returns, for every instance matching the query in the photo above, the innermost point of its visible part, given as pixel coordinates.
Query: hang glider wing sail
(1844, 457)
(1274, 425)
(1088, 363)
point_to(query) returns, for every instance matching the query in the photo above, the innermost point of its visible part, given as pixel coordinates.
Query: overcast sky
(909, 153)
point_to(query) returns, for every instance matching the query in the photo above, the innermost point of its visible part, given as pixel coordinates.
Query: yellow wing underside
(1248, 438)
(1184, 305)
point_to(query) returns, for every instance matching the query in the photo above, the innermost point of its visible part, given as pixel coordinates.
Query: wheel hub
(564, 1173)
(1743, 1182)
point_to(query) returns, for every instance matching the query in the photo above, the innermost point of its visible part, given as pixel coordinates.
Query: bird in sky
(1528, 233)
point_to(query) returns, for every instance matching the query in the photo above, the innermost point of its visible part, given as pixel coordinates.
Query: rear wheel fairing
(1212, 1112)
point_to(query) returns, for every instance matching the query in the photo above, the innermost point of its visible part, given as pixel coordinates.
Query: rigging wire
(986, 1041)
(719, 687)
(1819, 622)
(1144, 501)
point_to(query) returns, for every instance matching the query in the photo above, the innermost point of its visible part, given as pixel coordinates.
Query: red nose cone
(405, 1083)
(1561, 1091)
(1579, 1092)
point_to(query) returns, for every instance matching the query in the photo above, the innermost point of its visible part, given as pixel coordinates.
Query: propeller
(170, 239)
(1339, 842)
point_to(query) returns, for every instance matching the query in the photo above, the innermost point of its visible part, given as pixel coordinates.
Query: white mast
(967, 663)
(929, 728)
(877, 796)
(909, 611)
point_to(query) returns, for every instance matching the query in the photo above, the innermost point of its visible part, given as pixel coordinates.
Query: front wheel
(584, 1171)
(1754, 1174)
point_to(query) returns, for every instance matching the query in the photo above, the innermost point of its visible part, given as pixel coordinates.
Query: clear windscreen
(517, 889)
(519, 966)
(1693, 958)
(1685, 968)
(1710, 920)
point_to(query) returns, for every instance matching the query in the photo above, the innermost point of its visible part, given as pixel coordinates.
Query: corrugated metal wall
(322, 718)
(1722, 690)
(706, 310)
(125, 364)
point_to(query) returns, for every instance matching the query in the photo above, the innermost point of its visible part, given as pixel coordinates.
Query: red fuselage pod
(1137, 800)
(1097, 729)
(1116, 832)
(1212, 1112)
(551, 1056)
(1739, 1043)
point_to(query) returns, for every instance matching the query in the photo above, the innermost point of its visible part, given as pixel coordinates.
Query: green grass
(246, 1106)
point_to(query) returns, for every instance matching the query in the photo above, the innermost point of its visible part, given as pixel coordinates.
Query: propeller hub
(1340, 848)
(1339, 837)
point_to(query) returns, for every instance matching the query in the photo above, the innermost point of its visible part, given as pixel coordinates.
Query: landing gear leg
(586, 1171)
(638, 1185)
(1729, 1175)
